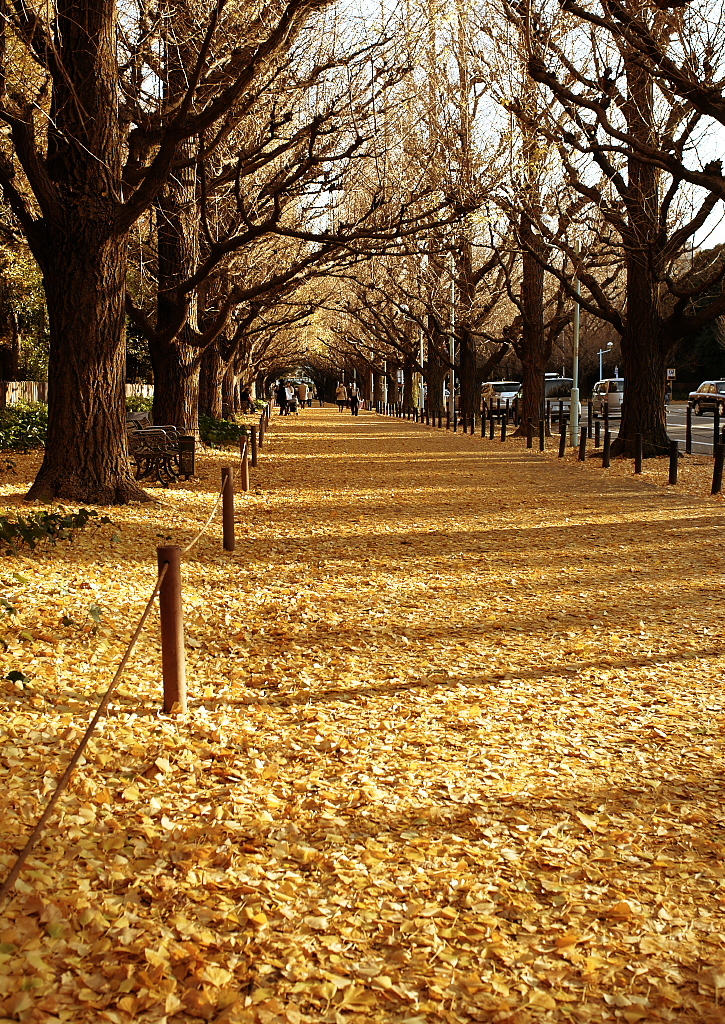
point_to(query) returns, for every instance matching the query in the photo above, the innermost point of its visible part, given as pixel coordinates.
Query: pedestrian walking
(341, 396)
(354, 399)
(302, 393)
(282, 397)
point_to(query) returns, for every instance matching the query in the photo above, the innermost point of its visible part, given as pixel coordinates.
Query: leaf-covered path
(453, 750)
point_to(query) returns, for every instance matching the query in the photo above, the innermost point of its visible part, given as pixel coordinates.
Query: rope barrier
(196, 539)
(65, 778)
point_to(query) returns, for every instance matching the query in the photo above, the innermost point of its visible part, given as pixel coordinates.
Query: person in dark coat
(282, 398)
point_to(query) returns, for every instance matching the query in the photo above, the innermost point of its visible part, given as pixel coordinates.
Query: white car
(505, 390)
(608, 393)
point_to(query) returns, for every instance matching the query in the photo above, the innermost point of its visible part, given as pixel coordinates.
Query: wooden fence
(16, 392)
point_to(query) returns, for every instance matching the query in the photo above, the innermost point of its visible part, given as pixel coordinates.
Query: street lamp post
(601, 353)
(574, 403)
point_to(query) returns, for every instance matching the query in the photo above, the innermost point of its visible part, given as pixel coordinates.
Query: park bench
(159, 451)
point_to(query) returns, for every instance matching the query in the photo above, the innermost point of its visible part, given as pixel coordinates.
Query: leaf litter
(453, 750)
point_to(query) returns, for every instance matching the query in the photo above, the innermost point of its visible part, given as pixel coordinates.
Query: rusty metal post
(173, 655)
(253, 435)
(245, 466)
(261, 432)
(228, 508)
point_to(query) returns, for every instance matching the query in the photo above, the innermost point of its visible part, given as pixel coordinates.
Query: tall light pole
(452, 349)
(574, 403)
(600, 353)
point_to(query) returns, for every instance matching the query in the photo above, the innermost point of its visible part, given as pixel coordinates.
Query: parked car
(708, 397)
(608, 393)
(492, 390)
(557, 389)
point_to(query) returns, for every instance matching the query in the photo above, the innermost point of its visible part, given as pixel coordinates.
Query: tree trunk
(228, 389)
(210, 383)
(82, 254)
(643, 357)
(407, 385)
(532, 349)
(86, 457)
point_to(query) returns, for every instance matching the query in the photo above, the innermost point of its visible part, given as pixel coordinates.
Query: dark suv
(708, 397)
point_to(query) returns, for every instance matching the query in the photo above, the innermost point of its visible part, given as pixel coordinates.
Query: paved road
(702, 428)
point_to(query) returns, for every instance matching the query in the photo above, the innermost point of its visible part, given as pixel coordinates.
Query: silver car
(608, 393)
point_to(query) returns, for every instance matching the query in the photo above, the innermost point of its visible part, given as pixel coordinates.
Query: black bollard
(542, 434)
(688, 430)
(674, 459)
(503, 428)
(597, 431)
(583, 443)
(717, 468)
(530, 433)
(638, 453)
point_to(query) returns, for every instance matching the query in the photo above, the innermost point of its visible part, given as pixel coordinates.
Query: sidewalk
(453, 753)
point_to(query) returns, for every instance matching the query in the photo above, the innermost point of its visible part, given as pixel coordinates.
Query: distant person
(245, 401)
(354, 399)
(320, 396)
(302, 394)
(282, 397)
(341, 396)
(291, 400)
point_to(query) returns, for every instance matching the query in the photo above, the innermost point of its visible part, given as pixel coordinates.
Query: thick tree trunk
(643, 407)
(85, 286)
(174, 356)
(176, 385)
(82, 253)
(532, 349)
(210, 383)
(229, 409)
(407, 386)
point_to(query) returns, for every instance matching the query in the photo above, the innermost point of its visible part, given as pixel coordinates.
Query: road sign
(670, 373)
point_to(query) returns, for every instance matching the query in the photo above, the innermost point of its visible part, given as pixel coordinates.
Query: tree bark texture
(532, 348)
(642, 344)
(210, 383)
(82, 254)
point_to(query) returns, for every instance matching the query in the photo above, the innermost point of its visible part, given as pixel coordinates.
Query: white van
(608, 393)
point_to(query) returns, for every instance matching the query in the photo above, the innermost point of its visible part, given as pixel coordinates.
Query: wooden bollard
(638, 453)
(503, 428)
(483, 421)
(605, 448)
(688, 430)
(455, 421)
(253, 439)
(491, 425)
(542, 434)
(173, 655)
(583, 443)
(448, 419)
(674, 459)
(597, 432)
(718, 468)
(562, 437)
(228, 508)
(244, 466)
(261, 432)
(529, 433)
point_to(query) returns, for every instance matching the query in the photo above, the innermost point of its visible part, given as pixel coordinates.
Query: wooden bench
(161, 452)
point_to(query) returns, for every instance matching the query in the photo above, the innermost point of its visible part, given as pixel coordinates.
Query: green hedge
(23, 427)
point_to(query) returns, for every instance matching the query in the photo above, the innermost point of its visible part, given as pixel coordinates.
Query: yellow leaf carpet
(453, 749)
